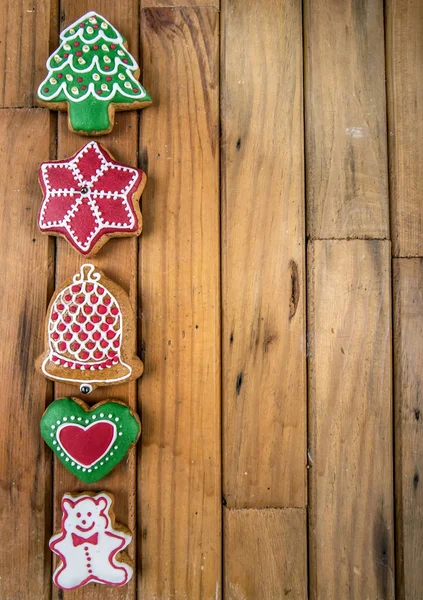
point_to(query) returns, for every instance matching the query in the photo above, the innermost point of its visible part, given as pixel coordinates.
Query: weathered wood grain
(263, 295)
(265, 554)
(25, 29)
(179, 479)
(118, 259)
(180, 3)
(27, 277)
(408, 358)
(346, 153)
(404, 43)
(350, 420)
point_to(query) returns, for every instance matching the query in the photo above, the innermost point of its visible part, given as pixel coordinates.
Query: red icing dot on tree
(90, 111)
(108, 78)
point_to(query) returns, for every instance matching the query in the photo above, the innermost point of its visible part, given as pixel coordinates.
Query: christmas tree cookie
(89, 198)
(90, 333)
(89, 441)
(90, 543)
(92, 75)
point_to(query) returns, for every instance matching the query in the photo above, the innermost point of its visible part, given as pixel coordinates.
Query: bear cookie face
(90, 542)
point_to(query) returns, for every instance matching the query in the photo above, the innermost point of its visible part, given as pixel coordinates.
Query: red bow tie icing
(90, 197)
(81, 564)
(78, 540)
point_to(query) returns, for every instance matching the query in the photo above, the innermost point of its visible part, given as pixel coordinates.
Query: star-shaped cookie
(89, 198)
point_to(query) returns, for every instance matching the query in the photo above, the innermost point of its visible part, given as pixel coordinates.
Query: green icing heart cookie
(89, 441)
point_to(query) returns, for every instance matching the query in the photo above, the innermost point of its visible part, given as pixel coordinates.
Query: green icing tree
(92, 74)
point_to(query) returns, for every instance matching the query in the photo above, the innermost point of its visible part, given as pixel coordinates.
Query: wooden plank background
(282, 446)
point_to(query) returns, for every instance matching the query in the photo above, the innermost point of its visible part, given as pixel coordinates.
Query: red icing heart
(86, 445)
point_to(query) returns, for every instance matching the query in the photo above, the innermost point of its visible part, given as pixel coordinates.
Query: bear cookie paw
(90, 543)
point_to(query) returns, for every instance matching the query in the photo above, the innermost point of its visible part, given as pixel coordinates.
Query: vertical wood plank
(346, 153)
(408, 357)
(25, 497)
(179, 480)
(404, 44)
(264, 377)
(118, 259)
(265, 554)
(350, 374)
(24, 47)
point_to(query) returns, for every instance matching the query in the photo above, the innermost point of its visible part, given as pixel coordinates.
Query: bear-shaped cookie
(89, 542)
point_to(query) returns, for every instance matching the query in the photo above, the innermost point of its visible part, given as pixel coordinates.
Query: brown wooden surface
(179, 3)
(25, 30)
(263, 282)
(408, 331)
(220, 267)
(404, 41)
(350, 424)
(346, 155)
(26, 281)
(179, 479)
(265, 554)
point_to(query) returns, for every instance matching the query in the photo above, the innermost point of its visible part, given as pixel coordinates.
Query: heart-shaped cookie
(89, 441)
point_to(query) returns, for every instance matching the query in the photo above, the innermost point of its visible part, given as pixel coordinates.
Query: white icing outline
(69, 61)
(82, 279)
(59, 443)
(62, 545)
(72, 165)
(101, 35)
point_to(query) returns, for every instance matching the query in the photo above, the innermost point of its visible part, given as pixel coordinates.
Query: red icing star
(89, 198)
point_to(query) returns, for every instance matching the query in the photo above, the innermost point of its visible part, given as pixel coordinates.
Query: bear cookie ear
(67, 504)
(91, 552)
(103, 503)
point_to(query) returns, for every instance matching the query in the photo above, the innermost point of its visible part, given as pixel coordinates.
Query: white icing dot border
(122, 195)
(60, 449)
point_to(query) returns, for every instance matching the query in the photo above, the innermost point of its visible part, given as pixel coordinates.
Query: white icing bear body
(88, 544)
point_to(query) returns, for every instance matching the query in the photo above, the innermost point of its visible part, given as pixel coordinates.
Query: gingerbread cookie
(90, 543)
(89, 198)
(89, 441)
(90, 333)
(91, 75)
